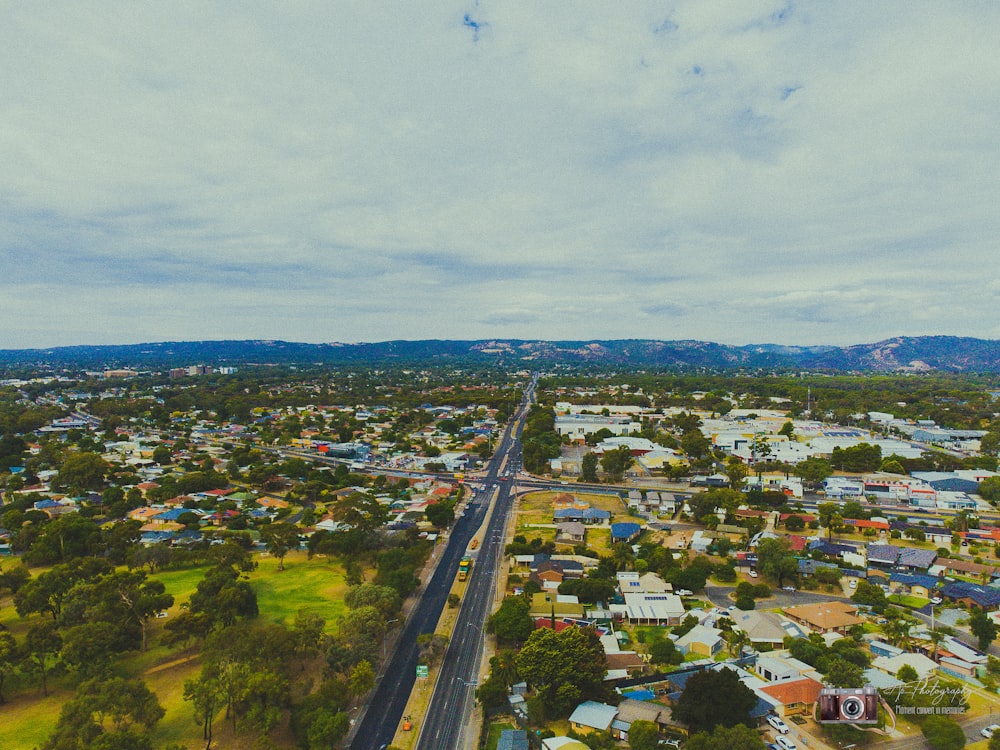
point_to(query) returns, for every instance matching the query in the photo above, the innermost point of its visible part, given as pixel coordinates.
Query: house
(913, 584)
(971, 595)
(794, 696)
(883, 554)
(513, 739)
(587, 515)
(776, 668)
(650, 609)
(701, 640)
(630, 710)
(765, 628)
(563, 743)
(916, 559)
(571, 532)
(825, 617)
(625, 533)
(591, 716)
(892, 664)
(544, 604)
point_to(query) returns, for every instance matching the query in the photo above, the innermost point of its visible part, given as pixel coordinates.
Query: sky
(724, 170)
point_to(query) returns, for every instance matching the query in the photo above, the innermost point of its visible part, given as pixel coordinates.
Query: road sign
(422, 671)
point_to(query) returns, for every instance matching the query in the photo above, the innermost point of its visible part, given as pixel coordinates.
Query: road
(453, 695)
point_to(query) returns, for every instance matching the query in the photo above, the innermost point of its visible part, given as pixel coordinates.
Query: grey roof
(593, 714)
(912, 557)
(883, 553)
(513, 739)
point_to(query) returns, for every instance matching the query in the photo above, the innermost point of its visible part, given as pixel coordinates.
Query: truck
(475, 543)
(464, 566)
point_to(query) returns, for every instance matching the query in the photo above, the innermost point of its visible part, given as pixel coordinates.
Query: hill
(901, 354)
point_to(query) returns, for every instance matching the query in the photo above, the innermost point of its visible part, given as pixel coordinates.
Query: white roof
(892, 664)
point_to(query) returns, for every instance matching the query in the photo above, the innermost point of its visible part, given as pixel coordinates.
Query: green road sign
(422, 671)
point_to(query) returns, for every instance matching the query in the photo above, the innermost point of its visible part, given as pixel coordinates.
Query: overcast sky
(734, 171)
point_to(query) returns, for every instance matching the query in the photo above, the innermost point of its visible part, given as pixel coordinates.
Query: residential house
(625, 533)
(650, 609)
(794, 696)
(571, 532)
(765, 628)
(513, 739)
(825, 617)
(912, 584)
(702, 640)
(589, 516)
(783, 668)
(545, 603)
(892, 664)
(630, 710)
(563, 743)
(972, 595)
(591, 716)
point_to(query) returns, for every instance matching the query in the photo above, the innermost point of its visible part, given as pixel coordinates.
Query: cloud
(794, 173)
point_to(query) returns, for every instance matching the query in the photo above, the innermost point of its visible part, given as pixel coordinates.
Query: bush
(761, 591)
(745, 602)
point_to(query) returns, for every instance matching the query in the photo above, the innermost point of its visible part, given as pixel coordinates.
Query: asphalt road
(453, 695)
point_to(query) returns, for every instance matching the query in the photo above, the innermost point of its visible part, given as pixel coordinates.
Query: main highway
(452, 701)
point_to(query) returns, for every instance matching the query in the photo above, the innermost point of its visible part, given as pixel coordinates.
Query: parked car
(784, 743)
(683, 592)
(853, 583)
(670, 743)
(936, 600)
(772, 746)
(987, 732)
(778, 724)
(752, 573)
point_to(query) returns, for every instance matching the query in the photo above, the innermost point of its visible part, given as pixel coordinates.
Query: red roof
(805, 690)
(796, 543)
(546, 622)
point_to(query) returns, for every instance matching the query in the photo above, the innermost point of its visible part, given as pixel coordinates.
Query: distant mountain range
(902, 354)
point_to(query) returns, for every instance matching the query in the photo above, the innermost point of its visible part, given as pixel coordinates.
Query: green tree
(588, 468)
(643, 735)
(712, 698)
(205, 693)
(114, 714)
(42, 643)
(943, 733)
(775, 561)
(280, 538)
(983, 628)
(440, 514)
(787, 429)
(989, 490)
(565, 668)
(813, 470)
(82, 471)
(8, 659)
(907, 673)
(737, 737)
(616, 462)
(512, 622)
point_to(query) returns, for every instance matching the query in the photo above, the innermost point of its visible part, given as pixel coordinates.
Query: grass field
(534, 514)
(915, 602)
(315, 585)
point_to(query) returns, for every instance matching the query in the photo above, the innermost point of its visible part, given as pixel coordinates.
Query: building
(825, 617)
(591, 716)
(650, 609)
(701, 640)
(794, 696)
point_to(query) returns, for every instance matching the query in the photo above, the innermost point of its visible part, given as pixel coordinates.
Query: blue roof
(912, 557)
(885, 553)
(586, 513)
(914, 579)
(981, 595)
(625, 530)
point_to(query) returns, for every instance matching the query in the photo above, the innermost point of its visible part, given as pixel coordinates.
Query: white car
(784, 743)
(752, 573)
(987, 732)
(683, 592)
(936, 600)
(778, 724)
(853, 583)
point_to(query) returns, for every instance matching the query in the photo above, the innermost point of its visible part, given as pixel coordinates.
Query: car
(788, 588)
(778, 724)
(670, 743)
(853, 583)
(784, 743)
(731, 607)
(752, 573)
(987, 732)
(936, 600)
(683, 592)
(772, 746)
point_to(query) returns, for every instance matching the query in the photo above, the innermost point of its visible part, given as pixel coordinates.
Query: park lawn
(915, 602)
(180, 583)
(28, 718)
(316, 585)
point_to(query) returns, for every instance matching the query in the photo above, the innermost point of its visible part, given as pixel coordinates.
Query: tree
(565, 668)
(787, 429)
(775, 561)
(588, 468)
(512, 621)
(870, 595)
(616, 462)
(983, 628)
(42, 643)
(813, 470)
(384, 598)
(843, 674)
(82, 471)
(114, 714)
(738, 737)
(712, 698)
(907, 673)
(989, 489)
(737, 471)
(8, 658)
(794, 523)
(663, 651)
(205, 693)
(440, 514)
(643, 735)
(362, 678)
(943, 733)
(280, 538)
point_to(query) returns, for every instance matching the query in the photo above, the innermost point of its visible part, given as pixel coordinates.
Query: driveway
(719, 597)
